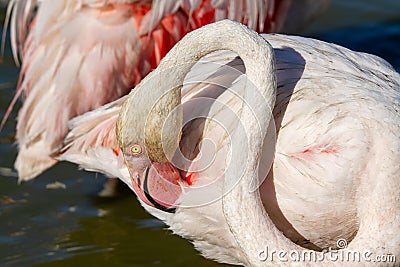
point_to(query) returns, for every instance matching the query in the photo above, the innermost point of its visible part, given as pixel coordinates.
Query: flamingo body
(335, 114)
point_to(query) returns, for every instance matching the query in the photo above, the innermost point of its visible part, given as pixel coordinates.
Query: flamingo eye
(136, 149)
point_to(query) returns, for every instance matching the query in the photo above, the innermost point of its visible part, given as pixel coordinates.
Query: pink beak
(160, 186)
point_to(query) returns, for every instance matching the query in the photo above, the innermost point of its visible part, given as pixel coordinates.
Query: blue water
(72, 226)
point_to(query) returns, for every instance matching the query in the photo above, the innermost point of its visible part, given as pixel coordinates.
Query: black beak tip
(151, 199)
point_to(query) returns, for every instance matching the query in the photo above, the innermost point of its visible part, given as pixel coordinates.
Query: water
(72, 226)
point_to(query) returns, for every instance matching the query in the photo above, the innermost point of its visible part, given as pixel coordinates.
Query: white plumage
(335, 170)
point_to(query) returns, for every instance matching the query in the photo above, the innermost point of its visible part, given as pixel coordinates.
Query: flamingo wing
(65, 63)
(92, 143)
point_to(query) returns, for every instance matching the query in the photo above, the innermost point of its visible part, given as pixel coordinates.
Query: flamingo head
(148, 137)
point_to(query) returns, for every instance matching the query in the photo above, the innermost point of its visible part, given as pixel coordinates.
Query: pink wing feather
(19, 16)
(76, 58)
(92, 143)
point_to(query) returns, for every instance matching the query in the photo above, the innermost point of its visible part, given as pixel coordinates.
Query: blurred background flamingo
(80, 55)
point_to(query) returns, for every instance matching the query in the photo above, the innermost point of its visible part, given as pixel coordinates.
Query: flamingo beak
(160, 186)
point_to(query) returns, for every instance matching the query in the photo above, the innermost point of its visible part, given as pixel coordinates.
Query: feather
(19, 16)
(61, 73)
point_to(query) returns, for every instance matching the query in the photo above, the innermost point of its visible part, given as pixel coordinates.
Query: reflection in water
(72, 226)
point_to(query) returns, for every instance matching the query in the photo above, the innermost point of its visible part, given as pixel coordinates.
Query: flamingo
(335, 171)
(72, 50)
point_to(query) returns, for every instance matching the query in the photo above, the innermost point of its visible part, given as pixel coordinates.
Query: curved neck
(258, 101)
(258, 58)
(165, 96)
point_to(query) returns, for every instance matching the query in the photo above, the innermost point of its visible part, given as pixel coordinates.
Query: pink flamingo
(80, 55)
